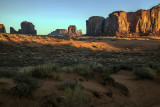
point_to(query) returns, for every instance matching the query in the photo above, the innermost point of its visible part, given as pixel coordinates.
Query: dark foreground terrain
(38, 71)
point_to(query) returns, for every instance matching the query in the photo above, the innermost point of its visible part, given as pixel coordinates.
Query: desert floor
(19, 51)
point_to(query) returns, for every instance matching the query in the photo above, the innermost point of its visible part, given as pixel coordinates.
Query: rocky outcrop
(79, 33)
(120, 23)
(140, 22)
(155, 18)
(95, 25)
(27, 28)
(145, 22)
(117, 23)
(13, 31)
(2, 28)
(72, 31)
(59, 32)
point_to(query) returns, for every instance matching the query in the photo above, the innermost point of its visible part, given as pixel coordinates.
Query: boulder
(13, 31)
(2, 28)
(27, 28)
(95, 25)
(59, 32)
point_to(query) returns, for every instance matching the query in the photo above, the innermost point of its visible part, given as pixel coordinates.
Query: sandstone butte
(26, 28)
(72, 31)
(2, 28)
(59, 32)
(121, 23)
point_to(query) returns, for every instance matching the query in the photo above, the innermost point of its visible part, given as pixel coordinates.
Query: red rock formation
(13, 31)
(145, 22)
(72, 31)
(140, 22)
(2, 28)
(27, 28)
(117, 22)
(120, 23)
(95, 25)
(79, 33)
(60, 32)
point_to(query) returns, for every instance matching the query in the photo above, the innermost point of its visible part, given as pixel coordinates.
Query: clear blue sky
(48, 15)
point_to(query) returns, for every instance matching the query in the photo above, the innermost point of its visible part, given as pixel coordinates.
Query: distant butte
(2, 28)
(72, 31)
(26, 28)
(59, 32)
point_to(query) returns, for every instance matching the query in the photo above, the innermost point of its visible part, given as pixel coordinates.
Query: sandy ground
(110, 43)
(142, 92)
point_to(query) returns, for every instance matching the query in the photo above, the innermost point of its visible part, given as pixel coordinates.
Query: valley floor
(109, 80)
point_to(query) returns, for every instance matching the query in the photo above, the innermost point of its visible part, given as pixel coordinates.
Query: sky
(49, 15)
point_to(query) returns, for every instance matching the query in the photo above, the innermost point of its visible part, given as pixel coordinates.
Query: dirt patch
(142, 92)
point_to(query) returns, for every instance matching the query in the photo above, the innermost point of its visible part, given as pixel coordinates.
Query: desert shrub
(76, 97)
(144, 73)
(30, 82)
(56, 75)
(84, 70)
(3, 81)
(69, 61)
(21, 90)
(116, 69)
(153, 65)
(39, 72)
(25, 86)
(87, 70)
(106, 76)
(42, 71)
(7, 73)
(107, 71)
(126, 67)
(22, 76)
(71, 83)
(97, 67)
(66, 69)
